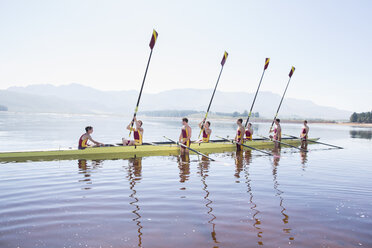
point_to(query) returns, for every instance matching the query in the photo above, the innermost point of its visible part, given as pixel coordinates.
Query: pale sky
(104, 44)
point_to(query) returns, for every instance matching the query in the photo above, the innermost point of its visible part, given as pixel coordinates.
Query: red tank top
(136, 135)
(82, 143)
(205, 135)
(184, 133)
(239, 135)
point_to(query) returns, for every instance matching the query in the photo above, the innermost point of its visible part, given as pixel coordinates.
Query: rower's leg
(126, 142)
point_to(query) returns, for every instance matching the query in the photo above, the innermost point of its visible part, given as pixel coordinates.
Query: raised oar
(313, 141)
(250, 147)
(267, 60)
(224, 58)
(186, 147)
(301, 149)
(154, 37)
(280, 104)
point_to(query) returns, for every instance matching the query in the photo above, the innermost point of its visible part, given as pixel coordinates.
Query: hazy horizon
(105, 45)
(154, 93)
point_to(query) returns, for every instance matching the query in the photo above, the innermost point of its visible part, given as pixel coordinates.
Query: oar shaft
(254, 99)
(140, 93)
(210, 102)
(313, 141)
(250, 147)
(186, 147)
(280, 104)
(277, 141)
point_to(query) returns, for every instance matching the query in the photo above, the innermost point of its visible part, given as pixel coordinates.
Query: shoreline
(351, 124)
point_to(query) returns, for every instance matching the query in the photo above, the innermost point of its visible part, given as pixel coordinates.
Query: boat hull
(124, 152)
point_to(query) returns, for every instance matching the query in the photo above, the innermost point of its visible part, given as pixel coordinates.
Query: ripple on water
(245, 201)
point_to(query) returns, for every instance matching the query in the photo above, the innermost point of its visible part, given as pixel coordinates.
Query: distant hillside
(75, 98)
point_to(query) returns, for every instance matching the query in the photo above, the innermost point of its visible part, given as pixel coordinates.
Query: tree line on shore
(364, 117)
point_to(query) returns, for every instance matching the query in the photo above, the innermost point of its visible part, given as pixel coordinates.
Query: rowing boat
(125, 152)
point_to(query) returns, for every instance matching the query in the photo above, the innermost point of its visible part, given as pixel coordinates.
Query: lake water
(318, 199)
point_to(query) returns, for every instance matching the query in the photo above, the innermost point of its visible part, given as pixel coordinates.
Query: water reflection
(135, 176)
(303, 155)
(279, 193)
(361, 134)
(86, 170)
(253, 205)
(203, 172)
(238, 164)
(184, 166)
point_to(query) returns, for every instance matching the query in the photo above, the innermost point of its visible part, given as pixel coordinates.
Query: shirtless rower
(304, 135)
(83, 141)
(137, 133)
(206, 131)
(185, 136)
(239, 134)
(248, 132)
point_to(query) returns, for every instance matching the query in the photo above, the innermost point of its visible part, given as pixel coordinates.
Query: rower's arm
(189, 134)
(129, 126)
(201, 123)
(92, 140)
(137, 125)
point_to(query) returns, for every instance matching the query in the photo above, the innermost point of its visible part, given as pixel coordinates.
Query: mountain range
(76, 98)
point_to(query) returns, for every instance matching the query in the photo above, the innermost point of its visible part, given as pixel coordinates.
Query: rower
(248, 132)
(304, 135)
(185, 135)
(277, 132)
(206, 131)
(137, 133)
(239, 134)
(83, 141)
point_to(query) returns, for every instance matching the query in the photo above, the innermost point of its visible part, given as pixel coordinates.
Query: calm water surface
(318, 199)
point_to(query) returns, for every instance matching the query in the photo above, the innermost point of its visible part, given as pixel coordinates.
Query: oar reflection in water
(135, 174)
(203, 172)
(279, 193)
(247, 158)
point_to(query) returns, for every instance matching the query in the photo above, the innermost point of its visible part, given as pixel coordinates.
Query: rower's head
(249, 125)
(239, 121)
(89, 129)
(140, 123)
(277, 121)
(185, 121)
(305, 122)
(207, 124)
